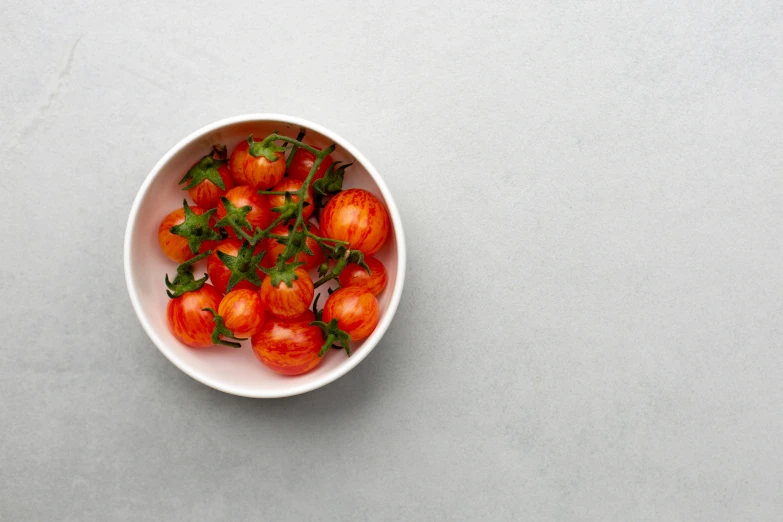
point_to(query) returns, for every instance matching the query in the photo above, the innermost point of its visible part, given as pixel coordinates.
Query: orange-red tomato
(303, 161)
(174, 246)
(356, 216)
(285, 302)
(260, 173)
(207, 195)
(242, 312)
(260, 215)
(289, 347)
(219, 273)
(354, 275)
(236, 163)
(274, 249)
(292, 185)
(355, 309)
(188, 321)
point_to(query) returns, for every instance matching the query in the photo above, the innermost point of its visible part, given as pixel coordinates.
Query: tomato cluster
(274, 224)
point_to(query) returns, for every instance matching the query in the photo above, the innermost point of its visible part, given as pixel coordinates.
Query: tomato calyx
(282, 273)
(235, 218)
(221, 330)
(184, 281)
(334, 337)
(243, 266)
(346, 257)
(195, 228)
(289, 209)
(298, 241)
(265, 148)
(207, 169)
(332, 182)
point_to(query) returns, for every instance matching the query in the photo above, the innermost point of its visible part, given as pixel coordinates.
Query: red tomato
(188, 321)
(354, 275)
(358, 217)
(174, 246)
(260, 215)
(219, 273)
(260, 173)
(303, 161)
(288, 347)
(292, 185)
(207, 195)
(242, 312)
(355, 309)
(236, 163)
(285, 302)
(274, 249)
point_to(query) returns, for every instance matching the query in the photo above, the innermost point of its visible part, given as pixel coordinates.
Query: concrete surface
(593, 196)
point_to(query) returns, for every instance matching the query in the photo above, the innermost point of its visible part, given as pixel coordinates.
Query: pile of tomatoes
(274, 224)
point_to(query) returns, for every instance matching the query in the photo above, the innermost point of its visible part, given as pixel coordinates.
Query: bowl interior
(234, 371)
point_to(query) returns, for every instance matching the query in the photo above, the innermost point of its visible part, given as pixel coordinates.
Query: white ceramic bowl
(238, 371)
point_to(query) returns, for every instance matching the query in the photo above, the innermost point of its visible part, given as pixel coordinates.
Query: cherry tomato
(354, 275)
(285, 302)
(289, 347)
(274, 249)
(355, 309)
(356, 216)
(219, 273)
(242, 312)
(260, 215)
(236, 163)
(303, 161)
(188, 321)
(174, 246)
(260, 173)
(292, 185)
(207, 195)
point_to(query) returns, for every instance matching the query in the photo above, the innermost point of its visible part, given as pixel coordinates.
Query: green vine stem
(290, 210)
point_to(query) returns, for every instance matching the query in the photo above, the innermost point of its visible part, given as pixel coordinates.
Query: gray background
(590, 329)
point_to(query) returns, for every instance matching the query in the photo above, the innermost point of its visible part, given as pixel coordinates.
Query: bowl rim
(369, 343)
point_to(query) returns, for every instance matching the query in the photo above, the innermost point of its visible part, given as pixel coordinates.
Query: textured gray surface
(609, 177)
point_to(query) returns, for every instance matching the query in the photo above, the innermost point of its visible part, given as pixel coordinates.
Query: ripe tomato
(236, 163)
(207, 195)
(289, 347)
(355, 309)
(274, 249)
(302, 163)
(188, 321)
(174, 246)
(356, 216)
(292, 185)
(219, 273)
(354, 275)
(242, 312)
(260, 173)
(285, 302)
(260, 215)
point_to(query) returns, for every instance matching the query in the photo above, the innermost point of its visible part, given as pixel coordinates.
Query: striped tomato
(289, 347)
(188, 320)
(358, 217)
(288, 302)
